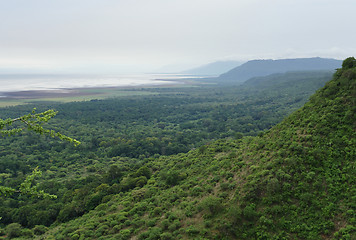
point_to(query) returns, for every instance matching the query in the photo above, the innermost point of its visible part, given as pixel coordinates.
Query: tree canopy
(32, 122)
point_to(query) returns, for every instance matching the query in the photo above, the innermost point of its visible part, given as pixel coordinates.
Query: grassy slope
(297, 181)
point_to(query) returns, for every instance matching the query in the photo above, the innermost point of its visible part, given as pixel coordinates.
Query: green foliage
(349, 63)
(294, 181)
(33, 122)
(212, 205)
(171, 177)
(13, 230)
(39, 229)
(27, 186)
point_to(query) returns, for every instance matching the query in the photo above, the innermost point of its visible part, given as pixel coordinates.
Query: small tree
(349, 63)
(211, 205)
(33, 122)
(13, 230)
(27, 187)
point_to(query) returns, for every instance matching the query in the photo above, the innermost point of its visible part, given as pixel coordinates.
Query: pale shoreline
(17, 87)
(82, 91)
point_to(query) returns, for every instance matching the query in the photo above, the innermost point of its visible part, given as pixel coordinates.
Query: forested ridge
(133, 176)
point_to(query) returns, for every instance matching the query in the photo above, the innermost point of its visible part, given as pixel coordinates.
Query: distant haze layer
(11, 83)
(257, 68)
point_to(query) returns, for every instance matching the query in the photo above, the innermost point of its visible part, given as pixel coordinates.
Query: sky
(123, 36)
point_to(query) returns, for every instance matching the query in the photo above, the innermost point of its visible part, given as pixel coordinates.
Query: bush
(234, 214)
(191, 230)
(196, 191)
(125, 234)
(74, 236)
(13, 230)
(27, 233)
(154, 233)
(157, 211)
(224, 186)
(40, 229)
(175, 225)
(249, 212)
(143, 236)
(349, 63)
(212, 205)
(166, 236)
(171, 177)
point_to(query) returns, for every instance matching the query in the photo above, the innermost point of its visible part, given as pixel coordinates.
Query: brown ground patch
(46, 94)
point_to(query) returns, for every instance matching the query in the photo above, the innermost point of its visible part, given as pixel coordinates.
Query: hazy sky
(145, 35)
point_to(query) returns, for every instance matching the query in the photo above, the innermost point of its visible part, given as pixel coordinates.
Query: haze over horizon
(92, 36)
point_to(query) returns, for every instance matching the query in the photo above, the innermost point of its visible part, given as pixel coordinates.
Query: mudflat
(13, 98)
(35, 94)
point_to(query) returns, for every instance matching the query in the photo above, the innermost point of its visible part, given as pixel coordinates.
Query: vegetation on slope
(295, 181)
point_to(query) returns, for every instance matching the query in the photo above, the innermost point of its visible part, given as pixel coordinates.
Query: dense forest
(193, 163)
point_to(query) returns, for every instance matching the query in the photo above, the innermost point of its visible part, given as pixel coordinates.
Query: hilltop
(257, 68)
(213, 69)
(295, 181)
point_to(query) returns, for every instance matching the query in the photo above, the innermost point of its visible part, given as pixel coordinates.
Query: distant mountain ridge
(258, 68)
(288, 78)
(214, 68)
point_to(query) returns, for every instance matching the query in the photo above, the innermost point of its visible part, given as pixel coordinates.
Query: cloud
(160, 32)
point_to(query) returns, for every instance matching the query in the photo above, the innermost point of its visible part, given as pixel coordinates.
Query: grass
(10, 103)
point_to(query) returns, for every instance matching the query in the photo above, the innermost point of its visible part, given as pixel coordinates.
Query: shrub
(27, 233)
(249, 211)
(212, 205)
(192, 231)
(223, 195)
(224, 186)
(196, 191)
(74, 236)
(234, 214)
(40, 229)
(154, 233)
(125, 234)
(349, 63)
(175, 225)
(13, 230)
(143, 236)
(171, 177)
(157, 211)
(165, 224)
(151, 222)
(2, 232)
(166, 236)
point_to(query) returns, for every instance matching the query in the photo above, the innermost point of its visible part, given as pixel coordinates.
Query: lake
(23, 82)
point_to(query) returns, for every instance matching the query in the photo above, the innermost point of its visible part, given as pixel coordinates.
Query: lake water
(14, 83)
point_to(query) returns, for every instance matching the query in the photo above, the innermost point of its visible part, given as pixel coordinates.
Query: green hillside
(213, 69)
(258, 68)
(296, 181)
